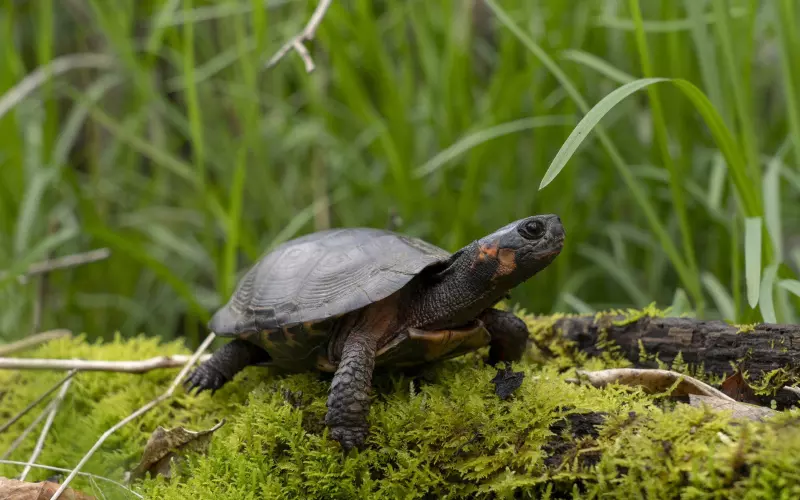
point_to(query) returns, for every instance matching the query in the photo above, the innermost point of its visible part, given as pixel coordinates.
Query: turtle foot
(349, 437)
(203, 378)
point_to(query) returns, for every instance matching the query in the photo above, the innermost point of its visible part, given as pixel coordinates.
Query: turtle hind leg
(224, 364)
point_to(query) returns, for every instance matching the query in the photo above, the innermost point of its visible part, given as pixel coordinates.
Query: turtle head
(519, 250)
(479, 275)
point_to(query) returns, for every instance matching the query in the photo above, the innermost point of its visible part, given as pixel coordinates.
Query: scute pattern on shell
(322, 275)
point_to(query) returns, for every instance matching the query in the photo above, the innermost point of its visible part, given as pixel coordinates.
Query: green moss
(745, 328)
(440, 433)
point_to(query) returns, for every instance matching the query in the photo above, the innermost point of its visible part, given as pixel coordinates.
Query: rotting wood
(717, 345)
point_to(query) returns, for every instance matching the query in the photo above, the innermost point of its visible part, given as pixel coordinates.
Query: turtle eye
(532, 229)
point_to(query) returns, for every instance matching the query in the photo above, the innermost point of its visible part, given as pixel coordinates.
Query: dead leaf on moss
(740, 410)
(653, 381)
(507, 381)
(165, 447)
(737, 388)
(12, 489)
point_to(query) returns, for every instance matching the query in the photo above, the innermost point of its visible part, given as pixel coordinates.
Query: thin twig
(144, 409)
(38, 400)
(59, 469)
(65, 262)
(33, 340)
(27, 431)
(296, 42)
(47, 424)
(86, 365)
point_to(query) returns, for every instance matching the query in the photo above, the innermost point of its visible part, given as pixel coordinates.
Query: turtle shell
(309, 280)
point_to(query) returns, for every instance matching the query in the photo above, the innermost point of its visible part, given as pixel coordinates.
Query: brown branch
(33, 340)
(139, 366)
(296, 42)
(144, 409)
(46, 429)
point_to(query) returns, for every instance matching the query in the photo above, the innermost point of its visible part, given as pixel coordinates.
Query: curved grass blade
(135, 251)
(772, 208)
(765, 303)
(577, 304)
(48, 244)
(722, 299)
(621, 275)
(642, 199)
(588, 122)
(680, 303)
(790, 285)
(598, 64)
(752, 258)
(719, 130)
(470, 141)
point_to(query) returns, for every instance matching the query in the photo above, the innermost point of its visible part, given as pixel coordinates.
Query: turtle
(350, 300)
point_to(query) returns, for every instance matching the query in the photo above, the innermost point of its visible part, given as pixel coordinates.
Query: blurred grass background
(152, 128)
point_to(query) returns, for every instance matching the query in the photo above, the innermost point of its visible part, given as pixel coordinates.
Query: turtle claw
(204, 378)
(349, 437)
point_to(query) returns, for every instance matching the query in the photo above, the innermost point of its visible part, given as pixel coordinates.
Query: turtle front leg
(348, 397)
(224, 364)
(509, 335)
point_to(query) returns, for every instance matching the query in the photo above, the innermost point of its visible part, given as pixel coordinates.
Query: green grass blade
(577, 304)
(765, 302)
(752, 258)
(127, 246)
(707, 62)
(785, 18)
(680, 303)
(620, 274)
(470, 141)
(598, 64)
(772, 208)
(791, 285)
(662, 138)
(588, 122)
(633, 186)
(717, 127)
(38, 252)
(721, 298)
(716, 182)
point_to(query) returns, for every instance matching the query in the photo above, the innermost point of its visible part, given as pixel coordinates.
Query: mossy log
(648, 341)
(441, 432)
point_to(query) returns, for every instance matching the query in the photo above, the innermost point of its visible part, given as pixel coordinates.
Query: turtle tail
(223, 365)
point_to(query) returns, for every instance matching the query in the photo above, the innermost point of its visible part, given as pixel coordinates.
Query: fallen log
(720, 348)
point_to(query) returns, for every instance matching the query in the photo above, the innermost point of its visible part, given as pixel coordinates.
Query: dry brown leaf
(165, 446)
(737, 388)
(652, 381)
(740, 410)
(12, 489)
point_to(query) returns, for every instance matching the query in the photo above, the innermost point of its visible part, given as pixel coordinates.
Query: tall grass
(666, 134)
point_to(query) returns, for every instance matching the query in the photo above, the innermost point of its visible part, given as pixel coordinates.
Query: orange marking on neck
(487, 251)
(507, 262)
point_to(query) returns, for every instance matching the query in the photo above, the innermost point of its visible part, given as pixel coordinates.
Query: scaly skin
(509, 335)
(224, 364)
(348, 397)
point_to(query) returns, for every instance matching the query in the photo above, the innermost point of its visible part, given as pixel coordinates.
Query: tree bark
(718, 346)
